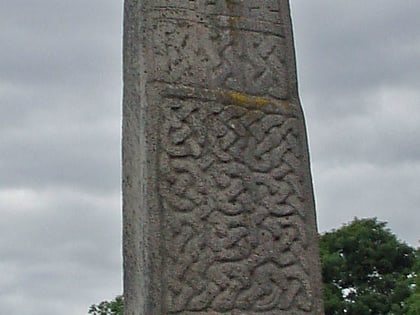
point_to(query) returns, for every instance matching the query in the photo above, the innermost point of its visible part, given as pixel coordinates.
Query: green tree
(413, 301)
(114, 307)
(366, 270)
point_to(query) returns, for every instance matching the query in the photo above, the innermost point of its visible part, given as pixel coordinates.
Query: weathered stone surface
(218, 208)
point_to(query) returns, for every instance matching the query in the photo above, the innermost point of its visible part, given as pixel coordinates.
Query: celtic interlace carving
(232, 199)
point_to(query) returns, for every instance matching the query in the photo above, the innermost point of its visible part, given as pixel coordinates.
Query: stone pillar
(218, 204)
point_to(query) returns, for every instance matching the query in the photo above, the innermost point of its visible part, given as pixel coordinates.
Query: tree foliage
(413, 301)
(114, 307)
(366, 270)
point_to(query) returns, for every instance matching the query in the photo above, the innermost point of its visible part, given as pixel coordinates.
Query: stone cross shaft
(218, 203)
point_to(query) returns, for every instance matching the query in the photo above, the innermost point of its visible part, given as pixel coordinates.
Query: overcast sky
(60, 113)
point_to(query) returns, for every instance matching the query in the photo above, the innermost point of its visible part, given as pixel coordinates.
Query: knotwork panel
(218, 50)
(233, 214)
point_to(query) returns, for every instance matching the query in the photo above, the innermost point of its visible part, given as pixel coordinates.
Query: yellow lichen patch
(249, 101)
(244, 99)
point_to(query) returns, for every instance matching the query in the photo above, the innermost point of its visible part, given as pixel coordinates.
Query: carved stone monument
(218, 205)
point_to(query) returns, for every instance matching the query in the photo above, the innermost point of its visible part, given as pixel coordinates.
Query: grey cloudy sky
(60, 108)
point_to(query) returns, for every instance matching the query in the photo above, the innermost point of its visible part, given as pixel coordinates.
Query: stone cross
(218, 203)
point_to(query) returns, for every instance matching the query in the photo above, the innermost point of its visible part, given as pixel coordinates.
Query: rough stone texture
(218, 206)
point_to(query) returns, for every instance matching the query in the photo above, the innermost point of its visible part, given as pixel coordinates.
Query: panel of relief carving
(237, 53)
(232, 198)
